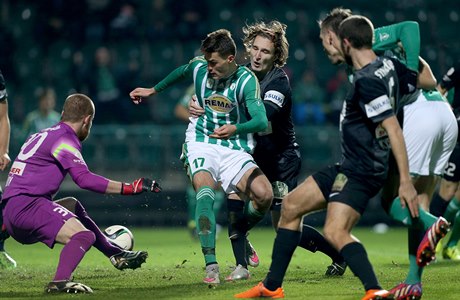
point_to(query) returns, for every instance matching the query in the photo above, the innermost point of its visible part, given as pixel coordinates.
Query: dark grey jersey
(374, 95)
(276, 94)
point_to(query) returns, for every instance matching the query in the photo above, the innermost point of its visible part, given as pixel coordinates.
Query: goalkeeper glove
(140, 185)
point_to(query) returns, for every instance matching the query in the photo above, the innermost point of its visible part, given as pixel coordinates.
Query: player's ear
(87, 120)
(330, 36)
(231, 58)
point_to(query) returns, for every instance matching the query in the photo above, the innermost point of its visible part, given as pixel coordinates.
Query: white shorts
(430, 132)
(224, 164)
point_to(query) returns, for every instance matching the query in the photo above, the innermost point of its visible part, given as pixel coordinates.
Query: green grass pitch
(174, 269)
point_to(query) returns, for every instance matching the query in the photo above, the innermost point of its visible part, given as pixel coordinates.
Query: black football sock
(314, 241)
(438, 205)
(356, 257)
(236, 233)
(285, 243)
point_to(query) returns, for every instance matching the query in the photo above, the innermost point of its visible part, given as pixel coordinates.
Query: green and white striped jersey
(233, 100)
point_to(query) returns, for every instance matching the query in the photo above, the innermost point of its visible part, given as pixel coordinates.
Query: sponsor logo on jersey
(232, 86)
(275, 97)
(382, 137)
(210, 83)
(219, 103)
(79, 161)
(17, 168)
(384, 36)
(377, 106)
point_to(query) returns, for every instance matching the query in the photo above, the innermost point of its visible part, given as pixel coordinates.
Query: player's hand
(194, 108)
(139, 186)
(4, 161)
(138, 94)
(224, 132)
(409, 198)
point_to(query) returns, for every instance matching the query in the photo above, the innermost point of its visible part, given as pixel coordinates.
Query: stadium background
(52, 43)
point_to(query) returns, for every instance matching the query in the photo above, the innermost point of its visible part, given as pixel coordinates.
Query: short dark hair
(333, 19)
(358, 30)
(76, 108)
(219, 41)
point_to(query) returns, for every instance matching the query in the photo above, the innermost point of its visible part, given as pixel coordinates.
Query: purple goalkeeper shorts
(34, 219)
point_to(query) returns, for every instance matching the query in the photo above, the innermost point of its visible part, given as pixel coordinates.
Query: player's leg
(120, 259)
(202, 162)
(450, 250)
(347, 201)
(36, 219)
(340, 219)
(219, 202)
(101, 243)
(412, 286)
(253, 186)
(422, 142)
(237, 231)
(449, 184)
(443, 196)
(446, 202)
(6, 261)
(312, 240)
(440, 135)
(77, 240)
(452, 215)
(206, 222)
(190, 196)
(307, 197)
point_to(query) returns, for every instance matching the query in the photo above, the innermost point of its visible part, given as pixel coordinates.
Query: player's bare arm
(407, 192)
(426, 79)
(194, 108)
(139, 93)
(5, 136)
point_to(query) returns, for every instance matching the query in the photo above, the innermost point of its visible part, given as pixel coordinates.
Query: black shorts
(355, 192)
(452, 170)
(284, 167)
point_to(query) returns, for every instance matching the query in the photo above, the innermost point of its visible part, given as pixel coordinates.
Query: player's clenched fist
(140, 185)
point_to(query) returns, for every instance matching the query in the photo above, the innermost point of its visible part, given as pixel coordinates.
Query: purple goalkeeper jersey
(44, 161)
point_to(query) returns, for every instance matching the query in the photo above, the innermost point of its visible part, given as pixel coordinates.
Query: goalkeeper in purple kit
(30, 214)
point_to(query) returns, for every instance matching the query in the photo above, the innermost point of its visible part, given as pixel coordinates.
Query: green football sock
(206, 223)
(452, 209)
(252, 215)
(191, 206)
(402, 214)
(455, 234)
(415, 272)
